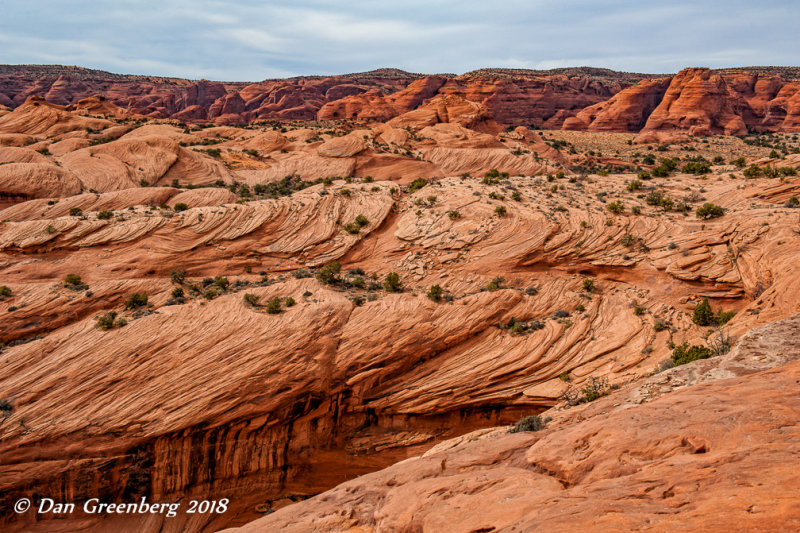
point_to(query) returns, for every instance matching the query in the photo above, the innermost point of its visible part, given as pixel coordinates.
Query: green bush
(697, 168)
(5, 292)
(703, 314)
(106, 322)
(274, 306)
(177, 292)
(417, 184)
(105, 215)
(753, 171)
(75, 211)
(6, 408)
(177, 276)
(362, 221)
(616, 207)
(392, 282)
(221, 282)
(72, 279)
(635, 185)
(352, 228)
(328, 273)
(710, 210)
(500, 210)
(685, 354)
(136, 300)
(435, 293)
(289, 301)
(210, 294)
(180, 206)
(251, 299)
(595, 388)
(495, 284)
(530, 423)
(588, 285)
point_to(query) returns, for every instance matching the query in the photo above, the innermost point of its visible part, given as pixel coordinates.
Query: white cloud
(249, 40)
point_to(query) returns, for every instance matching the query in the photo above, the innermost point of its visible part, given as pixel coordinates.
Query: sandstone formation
(552, 275)
(698, 459)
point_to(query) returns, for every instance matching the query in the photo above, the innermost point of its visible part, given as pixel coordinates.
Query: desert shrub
(75, 211)
(660, 325)
(251, 299)
(177, 292)
(454, 215)
(417, 184)
(595, 388)
(686, 354)
(289, 301)
(753, 171)
(210, 294)
(136, 300)
(793, 202)
(738, 162)
(107, 321)
(495, 284)
(703, 314)
(643, 175)
(561, 313)
(5, 292)
(435, 293)
(530, 423)
(73, 280)
(392, 282)
(638, 310)
(105, 215)
(654, 198)
(177, 276)
(362, 221)
(500, 210)
(358, 282)
(328, 273)
(180, 206)
(662, 170)
(580, 308)
(274, 306)
(634, 185)
(588, 285)
(352, 228)
(301, 273)
(709, 210)
(697, 168)
(516, 196)
(6, 408)
(723, 317)
(221, 282)
(616, 207)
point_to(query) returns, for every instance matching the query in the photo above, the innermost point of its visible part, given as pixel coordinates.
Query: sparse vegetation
(686, 354)
(392, 282)
(709, 210)
(435, 293)
(530, 423)
(136, 300)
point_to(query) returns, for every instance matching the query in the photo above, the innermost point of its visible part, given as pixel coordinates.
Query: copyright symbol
(22, 505)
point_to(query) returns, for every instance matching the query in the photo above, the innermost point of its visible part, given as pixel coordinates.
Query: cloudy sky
(251, 40)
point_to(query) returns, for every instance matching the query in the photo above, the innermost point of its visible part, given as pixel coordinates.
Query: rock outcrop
(677, 462)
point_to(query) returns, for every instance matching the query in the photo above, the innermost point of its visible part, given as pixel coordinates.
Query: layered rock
(697, 102)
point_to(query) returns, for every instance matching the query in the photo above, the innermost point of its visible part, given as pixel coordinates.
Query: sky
(250, 40)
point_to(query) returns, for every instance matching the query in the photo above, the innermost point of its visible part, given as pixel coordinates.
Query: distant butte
(696, 101)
